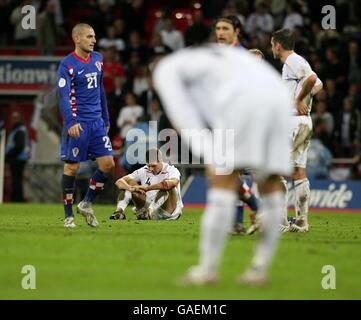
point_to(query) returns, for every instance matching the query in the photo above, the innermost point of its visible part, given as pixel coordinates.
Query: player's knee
(71, 169)
(299, 173)
(108, 165)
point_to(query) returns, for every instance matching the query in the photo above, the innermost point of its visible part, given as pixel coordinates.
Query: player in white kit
(154, 189)
(303, 84)
(220, 89)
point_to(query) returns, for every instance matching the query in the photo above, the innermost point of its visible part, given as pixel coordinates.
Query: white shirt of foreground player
(146, 176)
(226, 88)
(294, 73)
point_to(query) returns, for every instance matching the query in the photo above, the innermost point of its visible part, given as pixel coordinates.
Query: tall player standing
(303, 83)
(227, 31)
(84, 108)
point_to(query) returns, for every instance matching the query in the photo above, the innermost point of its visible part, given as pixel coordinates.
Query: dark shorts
(93, 143)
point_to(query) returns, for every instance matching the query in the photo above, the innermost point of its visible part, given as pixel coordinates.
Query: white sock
(123, 203)
(215, 225)
(284, 220)
(271, 208)
(302, 191)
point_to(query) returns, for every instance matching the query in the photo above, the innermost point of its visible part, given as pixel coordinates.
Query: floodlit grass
(141, 259)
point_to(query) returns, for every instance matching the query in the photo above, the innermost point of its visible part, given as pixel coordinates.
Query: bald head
(79, 29)
(84, 38)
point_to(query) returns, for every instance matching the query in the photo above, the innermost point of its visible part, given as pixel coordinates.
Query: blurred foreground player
(83, 104)
(154, 189)
(303, 84)
(208, 88)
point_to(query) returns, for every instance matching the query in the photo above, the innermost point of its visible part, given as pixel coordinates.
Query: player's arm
(104, 104)
(317, 87)
(307, 87)
(63, 91)
(165, 185)
(124, 183)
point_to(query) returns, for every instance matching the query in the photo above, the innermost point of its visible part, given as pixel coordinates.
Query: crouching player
(154, 189)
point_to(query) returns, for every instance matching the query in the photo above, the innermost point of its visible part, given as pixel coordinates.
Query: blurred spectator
(260, 22)
(48, 32)
(319, 158)
(347, 130)
(22, 37)
(155, 112)
(157, 46)
(302, 44)
(140, 83)
(147, 96)
(17, 155)
(354, 62)
(129, 114)
(172, 37)
(101, 18)
(277, 9)
(5, 26)
(111, 41)
(115, 102)
(119, 29)
(355, 95)
(321, 113)
(135, 14)
(136, 45)
(132, 69)
(236, 8)
(293, 18)
(198, 31)
(111, 69)
(334, 69)
(334, 98)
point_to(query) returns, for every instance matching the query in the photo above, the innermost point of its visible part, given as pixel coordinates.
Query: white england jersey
(145, 176)
(294, 73)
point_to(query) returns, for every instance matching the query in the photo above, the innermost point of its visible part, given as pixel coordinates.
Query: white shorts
(160, 214)
(300, 133)
(260, 123)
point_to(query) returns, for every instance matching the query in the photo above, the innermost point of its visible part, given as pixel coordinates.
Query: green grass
(141, 260)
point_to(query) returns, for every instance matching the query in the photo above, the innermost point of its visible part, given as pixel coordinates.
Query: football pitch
(141, 259)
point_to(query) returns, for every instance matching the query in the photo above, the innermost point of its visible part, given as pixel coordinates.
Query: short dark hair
(233, 20)
(285, 37)
(153, 155)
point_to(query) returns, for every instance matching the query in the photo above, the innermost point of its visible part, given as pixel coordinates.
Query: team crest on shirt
(75, 151)
(99, 64)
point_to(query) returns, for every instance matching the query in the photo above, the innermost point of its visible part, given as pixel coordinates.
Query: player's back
(294, 72)
(215, 76)
(82, 80)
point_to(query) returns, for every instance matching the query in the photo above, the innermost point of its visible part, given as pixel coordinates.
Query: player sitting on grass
(154, 190)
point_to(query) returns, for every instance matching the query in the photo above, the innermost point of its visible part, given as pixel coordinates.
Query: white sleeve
(301, 68)
(137, 175)
(174, 173)
(172, 78)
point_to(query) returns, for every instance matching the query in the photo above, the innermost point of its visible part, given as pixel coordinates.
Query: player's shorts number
(107, 143)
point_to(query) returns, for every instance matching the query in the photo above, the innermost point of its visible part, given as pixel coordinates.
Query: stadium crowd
(130, 34)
